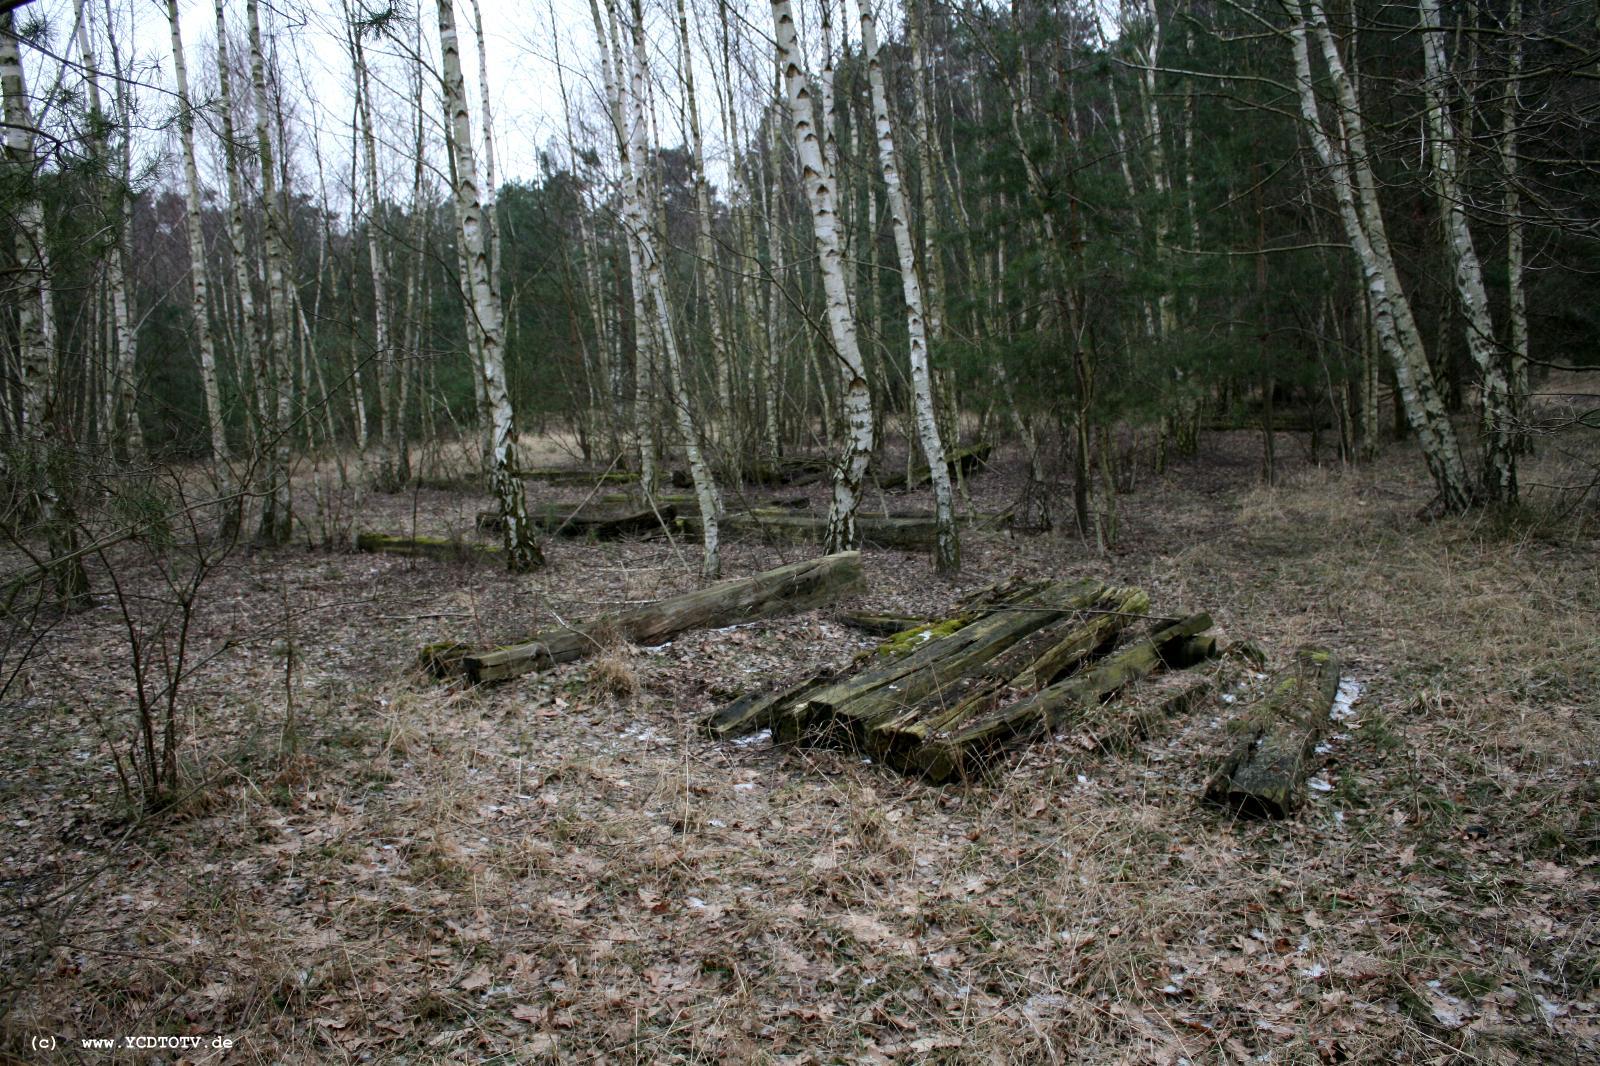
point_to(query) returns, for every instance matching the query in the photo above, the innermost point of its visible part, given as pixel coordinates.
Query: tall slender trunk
(40, 429)
(947, 550)
(522, 550)
(386, 350)
(705, 250)
(251, 336)
(276, 514)
(642, 233)
(927, 164)
(199, 277)
(1516, 294)
(1499, 459)
(856, 399)
(1355, 191)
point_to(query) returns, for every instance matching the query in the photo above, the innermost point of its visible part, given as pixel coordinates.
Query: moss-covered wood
(880, 625)
(1025, 668)
(796, 587)
(1264, 774)
(854, 705)
(444, 548)
(970, 747)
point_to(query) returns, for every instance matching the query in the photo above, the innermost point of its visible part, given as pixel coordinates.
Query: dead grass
(559, 869)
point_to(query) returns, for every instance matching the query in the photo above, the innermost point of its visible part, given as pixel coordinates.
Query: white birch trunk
(36, 329)
(927, 163)
(705, 249)
(1516, 294)
(199, 277)
(1500, 462)
(642, 234)
(1355, 190)
(276, 514)
(522, 550)
(856, 399)
(382, 331)
(947, 548)
(250, 339)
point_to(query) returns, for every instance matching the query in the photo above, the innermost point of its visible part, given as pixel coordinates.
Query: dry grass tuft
(612, 674)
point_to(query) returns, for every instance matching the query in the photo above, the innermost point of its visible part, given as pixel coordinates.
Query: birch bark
(1499, 459)
(522, 550)
(947, 548)
(817, 177)
(199, 279)
(276, 514)
(1355, 191)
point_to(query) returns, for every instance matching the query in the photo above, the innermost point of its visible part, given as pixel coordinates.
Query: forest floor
(559, 868)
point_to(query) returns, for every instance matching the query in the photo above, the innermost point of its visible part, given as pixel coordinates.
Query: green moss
(909, 640)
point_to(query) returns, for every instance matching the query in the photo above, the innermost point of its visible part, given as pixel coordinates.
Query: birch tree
(522, 550)
(947, 548)
(199, 277)
(1500, 461)
(817, 178)
(1355, 191)
(37, 338)
(277, 519)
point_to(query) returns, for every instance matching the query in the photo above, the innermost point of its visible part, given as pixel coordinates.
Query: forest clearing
(799, 532)
(563, 866)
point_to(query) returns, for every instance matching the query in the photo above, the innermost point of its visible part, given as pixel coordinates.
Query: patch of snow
(753, 739)
(1320, 784)
(1344, 700)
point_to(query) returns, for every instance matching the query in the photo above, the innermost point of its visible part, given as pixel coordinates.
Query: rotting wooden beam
(786, 589)
(1264, 774)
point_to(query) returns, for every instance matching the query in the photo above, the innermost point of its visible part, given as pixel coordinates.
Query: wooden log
(962, 462)
(1264, 774)
(443, 548)
(1119, 724)
(796, 587)
(754, 711)
(1032, 664)
(856, 703)
(968, 748)
(571, 521)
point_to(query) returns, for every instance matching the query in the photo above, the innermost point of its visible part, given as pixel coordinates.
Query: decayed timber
(1034, 663)
(795, 472)
(796, 587)
(1265, 773)
(572, 521)
(1119, 725)
(856, 704)
(968, 748)
(426, 547)
(962, 462)
(754, 710)
(912, 532)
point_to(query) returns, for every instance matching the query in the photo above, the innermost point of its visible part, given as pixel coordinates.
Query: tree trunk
(817, 177)
(1356, 193)
(1499, 459)
(522, 549)
(199, 277)
(787, 589)
(947, 552)
(277, 523)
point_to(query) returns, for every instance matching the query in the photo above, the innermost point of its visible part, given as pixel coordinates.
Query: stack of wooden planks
(950, 699)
